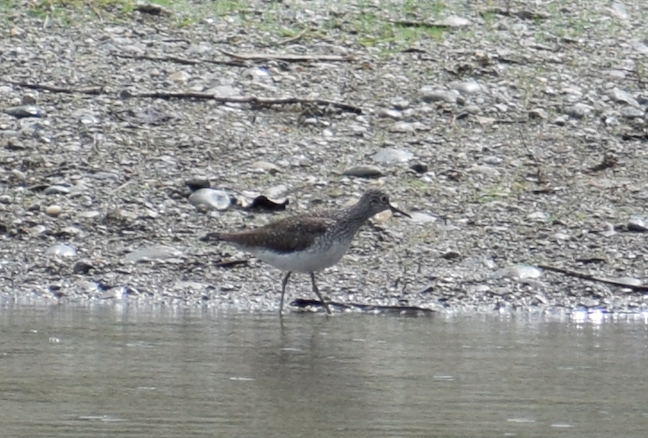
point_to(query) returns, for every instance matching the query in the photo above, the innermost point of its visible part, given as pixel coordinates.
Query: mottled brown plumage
(309, 242)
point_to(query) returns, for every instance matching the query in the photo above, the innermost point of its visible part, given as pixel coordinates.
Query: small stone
(579, 111)
(56, 190)
(258, 74)
(402, 127)
(619, 10)
(560, 121)
(630, 281)
(392, 155)
(537, 216)
(198, 182)
(264, 166)
(453, 21)
(225, 91)
(400, 103)
(621, 96)
(538, 113)
(89, 214)
(614, 74)
(518, 272)
(28, 99)
(589, 302)
(429, 94)
(630, 112)
(484, 170)
(390, 114)
(637, 224)
(24, 111)
(18, 174)
(53, 210)
(210, 199)
(82, 267)
(419, 167)
(155, 252)
(451, 255)
(364, 171)
(422, 218)
(383, 216)
(179, 76)
(61, 250)
(467, 87)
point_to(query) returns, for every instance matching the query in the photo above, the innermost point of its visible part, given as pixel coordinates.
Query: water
(158, 372)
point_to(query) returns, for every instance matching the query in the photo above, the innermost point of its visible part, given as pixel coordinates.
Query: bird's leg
(317, 292)
(283, 291)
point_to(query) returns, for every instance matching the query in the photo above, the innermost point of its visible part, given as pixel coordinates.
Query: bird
(308, 242)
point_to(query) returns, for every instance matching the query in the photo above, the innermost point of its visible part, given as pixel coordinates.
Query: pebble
(520, 272)
(364, 171)
(630, 112)
(630, 281)
(402, 127)
(155, 252)
(538, 113)
(392, 155)
(468, 87)
(422, 218)
(225, 91)
(61, 250)
(589, 302)
(537, 216)
(264, 166)
(560, 121)
(390, 114)
(210, 199)
(619, 10)
(453, 21)
(53, 210)
(637, 223)
(89, 214)
(579, 110)
(24, 111)
(179, 76)
(621, 96)
(198, 182)
(56, 190)
(430, 95)
(419, 167)
(484, 170)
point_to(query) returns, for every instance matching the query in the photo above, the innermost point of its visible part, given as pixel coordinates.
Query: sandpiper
(308, 242)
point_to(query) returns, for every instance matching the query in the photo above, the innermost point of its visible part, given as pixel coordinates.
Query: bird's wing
(286, 235)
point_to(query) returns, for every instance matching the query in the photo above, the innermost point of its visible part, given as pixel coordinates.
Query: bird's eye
(384, 199)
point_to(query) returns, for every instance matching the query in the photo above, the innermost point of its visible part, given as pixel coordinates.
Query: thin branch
(254, 100)
(399, 310)
(55, 89)
(244, 99)
(290, 40)
(179, 60)
(287, 57)
(639, 288)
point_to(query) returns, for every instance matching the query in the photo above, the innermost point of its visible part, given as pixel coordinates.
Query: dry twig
(575, 274)
(287, 57)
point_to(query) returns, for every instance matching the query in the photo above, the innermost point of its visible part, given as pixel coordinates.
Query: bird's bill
(395, 210)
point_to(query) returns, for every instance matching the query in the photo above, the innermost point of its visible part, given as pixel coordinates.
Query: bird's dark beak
(395, 210)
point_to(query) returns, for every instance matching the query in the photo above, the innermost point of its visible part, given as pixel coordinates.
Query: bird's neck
(355, 216)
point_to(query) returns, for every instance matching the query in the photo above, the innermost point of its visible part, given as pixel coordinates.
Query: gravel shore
(514, 135)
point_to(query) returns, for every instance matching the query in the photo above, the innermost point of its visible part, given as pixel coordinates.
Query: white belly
(303, 262)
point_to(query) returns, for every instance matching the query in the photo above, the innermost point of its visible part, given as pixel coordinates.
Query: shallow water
(158, 372)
